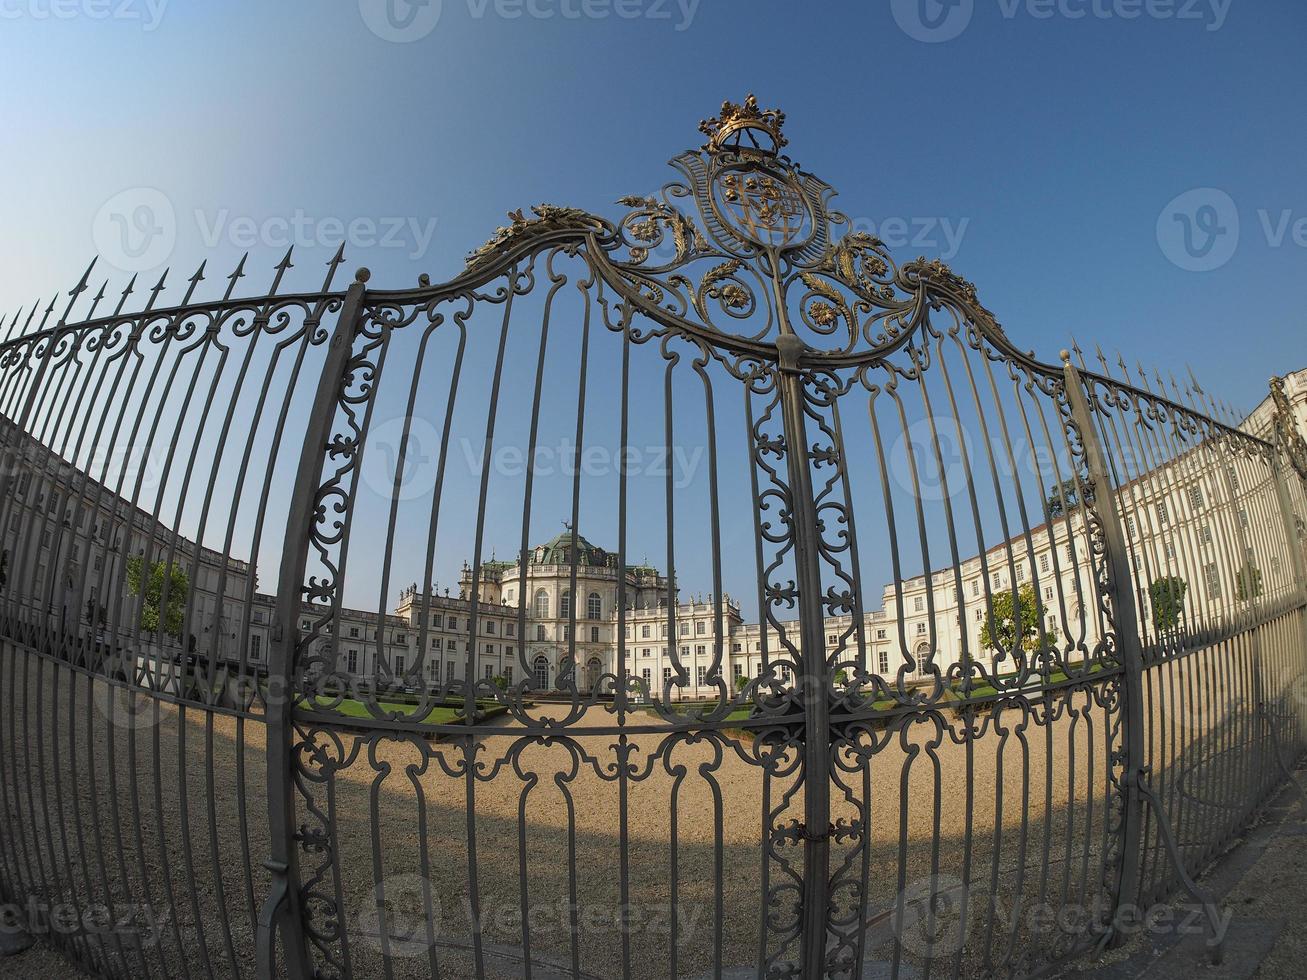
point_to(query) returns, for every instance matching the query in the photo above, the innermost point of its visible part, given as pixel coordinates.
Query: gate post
(1287, 516)
(282, 911)
(816, 704)
(1121, 592)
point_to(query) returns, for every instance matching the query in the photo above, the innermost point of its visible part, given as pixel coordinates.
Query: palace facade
(568, 612)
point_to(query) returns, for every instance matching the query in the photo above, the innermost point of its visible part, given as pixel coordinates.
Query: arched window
(540, 673)
(593, 668)
(542, 604)
(923, 658)
(594, 606)
(565, 604)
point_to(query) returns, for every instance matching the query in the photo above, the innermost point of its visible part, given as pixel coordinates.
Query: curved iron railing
(230, 751)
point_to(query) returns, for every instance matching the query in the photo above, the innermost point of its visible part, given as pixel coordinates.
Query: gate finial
(747, 119)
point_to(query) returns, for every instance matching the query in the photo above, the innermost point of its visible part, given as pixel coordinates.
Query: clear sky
(1047, 149)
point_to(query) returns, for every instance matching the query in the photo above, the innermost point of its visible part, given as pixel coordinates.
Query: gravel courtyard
(1029, 836)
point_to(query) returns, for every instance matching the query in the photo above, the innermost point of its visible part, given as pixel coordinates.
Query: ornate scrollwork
(1287, 434)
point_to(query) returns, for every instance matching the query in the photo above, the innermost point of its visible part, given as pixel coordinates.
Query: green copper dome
(558, 551)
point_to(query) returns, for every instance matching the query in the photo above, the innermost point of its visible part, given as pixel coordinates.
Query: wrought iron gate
(1081, 680)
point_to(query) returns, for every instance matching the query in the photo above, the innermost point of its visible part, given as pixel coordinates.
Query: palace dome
(558, 551)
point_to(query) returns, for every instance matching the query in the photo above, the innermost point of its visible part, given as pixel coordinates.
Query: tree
(741, 682)
(1248, 582)
(1015, 616)
(1065, 497)
(170, 622)
(500, 681)
(1167, 595)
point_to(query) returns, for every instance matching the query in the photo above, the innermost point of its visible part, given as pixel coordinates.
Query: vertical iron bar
(282, 911)
(817, 741)
(1122, 594)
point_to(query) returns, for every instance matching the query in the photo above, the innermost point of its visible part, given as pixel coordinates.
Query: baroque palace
(551, 618)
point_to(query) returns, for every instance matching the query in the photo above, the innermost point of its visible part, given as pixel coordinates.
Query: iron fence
(228, 751)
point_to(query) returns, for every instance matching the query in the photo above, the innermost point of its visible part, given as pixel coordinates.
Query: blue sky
(1057, 140)
(1048, 149)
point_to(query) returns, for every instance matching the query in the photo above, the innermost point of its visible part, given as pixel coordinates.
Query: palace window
(700, 676)
(921, 629)
(644, 632)
(882, 661)
(453, 622)
(594, 606)
(256, 647)
(1196, 497)
(594, 634)
(510, 629)
(918, 603)
(565, 604)
(667, 674)
(700, 627)
(1213, 577)
(685, 629)
(352, 661)
(540, 632)
(1043, 563)
(449, 672)
(437, 620)
(542, 604)
(737, 670)
(399, 666)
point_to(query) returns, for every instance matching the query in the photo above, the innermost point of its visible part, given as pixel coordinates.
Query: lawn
(445, 714)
